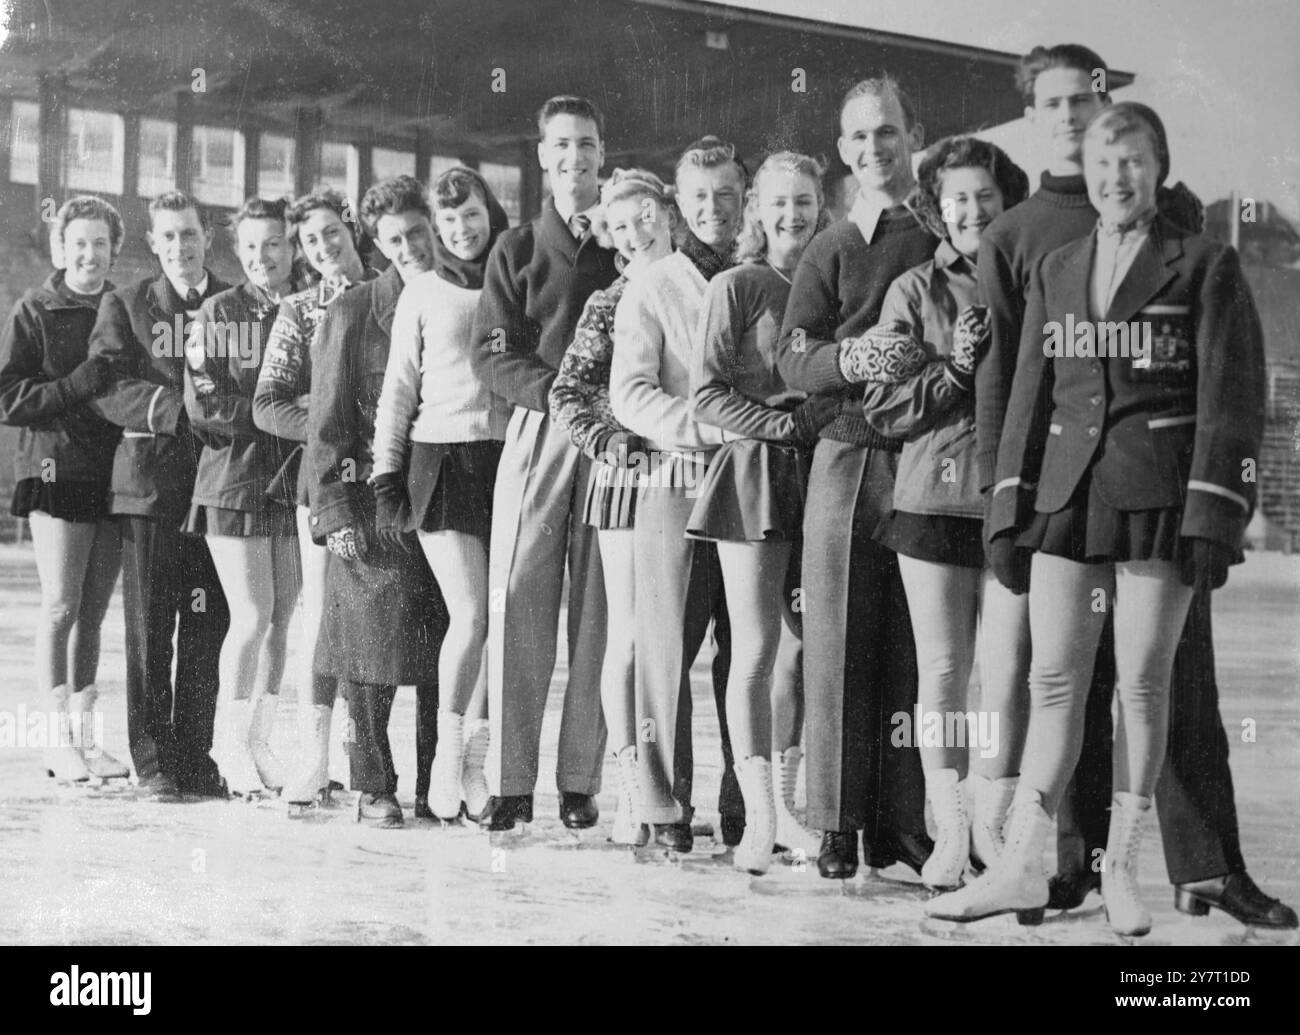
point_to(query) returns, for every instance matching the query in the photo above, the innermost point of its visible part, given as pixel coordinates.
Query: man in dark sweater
(538, 279)
(1064, 86)
(169, 584)
(859, 668)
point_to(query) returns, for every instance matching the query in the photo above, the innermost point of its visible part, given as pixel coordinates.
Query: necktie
(193, 299)
(580, 226)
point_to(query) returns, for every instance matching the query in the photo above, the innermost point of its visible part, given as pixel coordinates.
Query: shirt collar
(867, 212)
(566, 215)
(1117, 230)
(183, 290)
(946, 255)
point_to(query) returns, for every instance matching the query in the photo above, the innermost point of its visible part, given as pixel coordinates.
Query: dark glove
(970, 335)
(390, 501)
(813, 414)
(89, 378)
(349, 543)
(622, 449)
(1205, 564)
(1010, 563)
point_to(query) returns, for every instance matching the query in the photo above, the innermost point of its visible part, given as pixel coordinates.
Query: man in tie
(538, 278)
(168, 578)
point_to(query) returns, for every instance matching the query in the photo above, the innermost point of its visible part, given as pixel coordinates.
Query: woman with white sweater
(438, 438)
(639, 219)
(678, 584)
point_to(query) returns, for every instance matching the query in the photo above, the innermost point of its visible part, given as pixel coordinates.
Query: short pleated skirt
(1088, 530)
(270, 520)
(86, 502)
(611, 497)
(450, 486)
(753, 491)
(937, 538)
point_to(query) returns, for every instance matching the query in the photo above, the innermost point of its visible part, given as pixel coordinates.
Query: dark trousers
(859, 659)
(1194, 798)
(170, 587)
(369, 706)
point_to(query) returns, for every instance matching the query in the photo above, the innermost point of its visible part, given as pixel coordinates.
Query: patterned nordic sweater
(579, 397)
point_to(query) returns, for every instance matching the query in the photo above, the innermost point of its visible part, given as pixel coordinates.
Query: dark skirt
(753, 491)
(938, 538)
(450, 486)
(271, 520)
(86, 502)
(384, 618)
(1088, 530)
(611, 497)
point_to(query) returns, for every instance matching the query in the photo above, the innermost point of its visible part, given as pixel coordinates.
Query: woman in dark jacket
(252, 536)
(63, 463)
(1127, 465)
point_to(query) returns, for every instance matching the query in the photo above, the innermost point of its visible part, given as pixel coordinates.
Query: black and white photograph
(651, 472)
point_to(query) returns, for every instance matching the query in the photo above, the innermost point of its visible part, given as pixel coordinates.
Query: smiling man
(168, 579)
(855, 674)
(384, 617)
(538, 278)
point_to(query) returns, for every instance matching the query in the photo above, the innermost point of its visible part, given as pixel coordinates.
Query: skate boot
(98, 761)
(790, 833)
(943, 870)
(754, 853)
(989, 800)
(234, 731)
(269, 768)
(448, 766)
(1016, 883)
(626, 830)
(1119, 890)
(310, 785)
(473, 780)
(62, 759)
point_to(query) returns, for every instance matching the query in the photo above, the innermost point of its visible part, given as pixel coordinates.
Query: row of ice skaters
(420, 454)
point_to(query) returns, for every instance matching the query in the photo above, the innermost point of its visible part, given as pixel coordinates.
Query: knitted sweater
(431, 392)
(579, 396)
(537, 281)
(656, 344)
(1054, 215)
(838, 290)
(735, 378)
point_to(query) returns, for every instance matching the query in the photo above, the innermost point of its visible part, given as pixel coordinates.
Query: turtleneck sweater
(1054, 215)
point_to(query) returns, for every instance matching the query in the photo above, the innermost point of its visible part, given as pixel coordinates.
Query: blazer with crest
(141, 329)
(1180, 427)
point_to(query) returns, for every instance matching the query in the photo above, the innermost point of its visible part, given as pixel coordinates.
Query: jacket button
(1094, 431)
(1095, 400)
(315, 521)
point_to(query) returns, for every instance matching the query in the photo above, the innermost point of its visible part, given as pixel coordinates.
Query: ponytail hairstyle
(751, 245)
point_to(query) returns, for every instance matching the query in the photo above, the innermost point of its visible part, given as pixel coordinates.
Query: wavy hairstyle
(966, 152)
(624, 184)
(751, 244)
(87, 206)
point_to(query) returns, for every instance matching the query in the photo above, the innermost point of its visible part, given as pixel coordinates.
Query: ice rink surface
(94, 865)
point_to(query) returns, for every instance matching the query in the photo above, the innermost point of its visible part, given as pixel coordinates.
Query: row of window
(96, 150)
